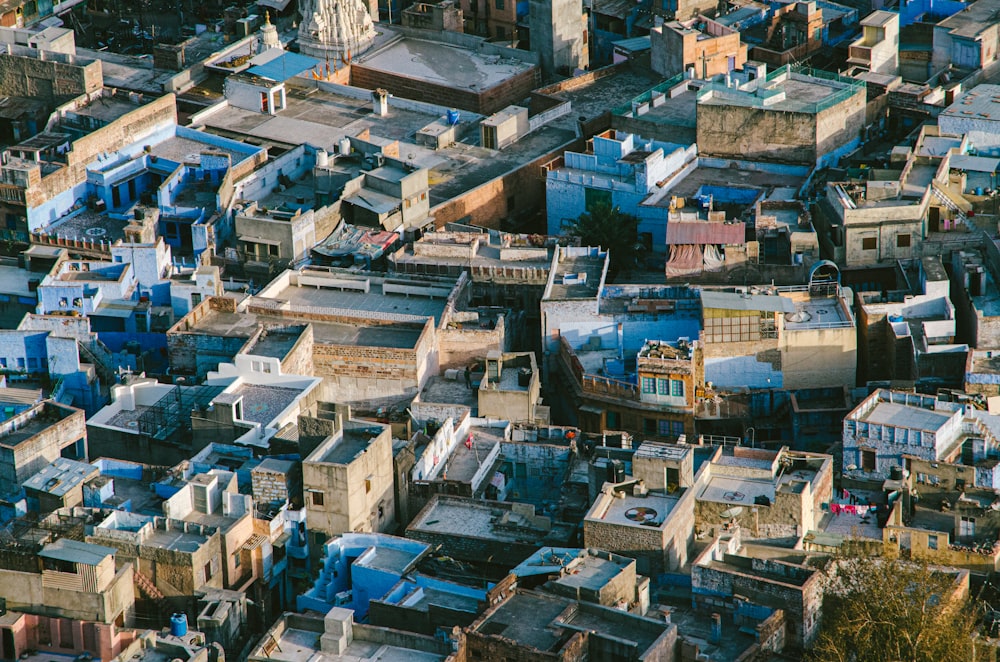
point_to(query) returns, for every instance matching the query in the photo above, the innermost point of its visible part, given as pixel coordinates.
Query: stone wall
(49, 81)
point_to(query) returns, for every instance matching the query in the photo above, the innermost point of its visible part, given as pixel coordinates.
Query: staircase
(148, 589)
(960, 216)
(97, 353)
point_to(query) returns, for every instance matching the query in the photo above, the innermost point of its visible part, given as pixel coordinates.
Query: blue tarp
(285, 66)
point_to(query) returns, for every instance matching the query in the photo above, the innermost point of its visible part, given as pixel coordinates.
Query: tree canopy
(878, 610)
(607, 226)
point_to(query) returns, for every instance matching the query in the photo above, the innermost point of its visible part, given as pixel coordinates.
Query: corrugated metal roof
(705, 232)
(974, 163)
(75, 551)
(736, 301)
(634, 44)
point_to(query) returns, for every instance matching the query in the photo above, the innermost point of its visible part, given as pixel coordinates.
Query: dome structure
(335, 29)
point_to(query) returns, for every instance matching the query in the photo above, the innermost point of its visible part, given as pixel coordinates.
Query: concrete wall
(815, 358)
(30, 455)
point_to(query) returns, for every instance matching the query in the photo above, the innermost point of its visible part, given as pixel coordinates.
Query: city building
(347, 484)
(785, 114)
(877, 50)
(699, 45)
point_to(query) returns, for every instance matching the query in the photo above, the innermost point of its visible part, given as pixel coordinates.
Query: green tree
(880, 610)
(607, 226)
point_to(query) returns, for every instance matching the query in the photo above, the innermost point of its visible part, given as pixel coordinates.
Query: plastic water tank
(453, 117)
(178, 625)
(895, 318)
(322, 158)
(345, 146)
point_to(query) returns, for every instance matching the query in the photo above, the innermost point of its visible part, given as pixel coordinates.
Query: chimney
(380, 102)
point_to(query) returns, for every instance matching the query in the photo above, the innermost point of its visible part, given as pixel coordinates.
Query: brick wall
(487, 204)
(486, 102)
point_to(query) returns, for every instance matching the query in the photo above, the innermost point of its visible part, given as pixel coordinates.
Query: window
(676, 388)
(932, 542)
(266, 368)
(676, 428)
(63, 302)
(236, 560)
(33, 364)
(869, 243)
(663, 428)
(501, 33)
(317, 498)
(255, 366)
(649, 385)
(663, 386)
(208, 572)
(967, 527)
(368, 485)
(613, 420)
(195, 298)
(902, 241)
(498, 4)
(273, 250)
(649, 425)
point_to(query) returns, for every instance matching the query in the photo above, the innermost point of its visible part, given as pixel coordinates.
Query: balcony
(606, 386)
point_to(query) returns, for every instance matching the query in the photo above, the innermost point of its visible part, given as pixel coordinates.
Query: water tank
(178, 625)
(345, 146)
(453, 117)
(139, 213)
(979, 190)
(322, 158)
(616, 471)
(895, 318)
(895, 473)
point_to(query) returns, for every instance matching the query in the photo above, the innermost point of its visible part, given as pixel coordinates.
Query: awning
(591, 410)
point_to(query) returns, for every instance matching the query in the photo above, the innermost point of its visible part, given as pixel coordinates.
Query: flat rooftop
(352, 443)
(590, 572)
(816, 312)
(441, 64)
(373, 301)
(276, 343)
(638, 511)
(904, 416)
(975, 19)
(440, 390)
(802, 93)
(262, 403)
(526, 619)
(90, 226)
(242, 325)
(472, 519)
(726, 177)
(464, 462)
(386, 558)
(983, 101)
(736, 491)
(185, 150)
(573, 266)
(177, 541)
(295, 645)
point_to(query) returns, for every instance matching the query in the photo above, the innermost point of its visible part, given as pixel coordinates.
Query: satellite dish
(730, 513)
(852, 467)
